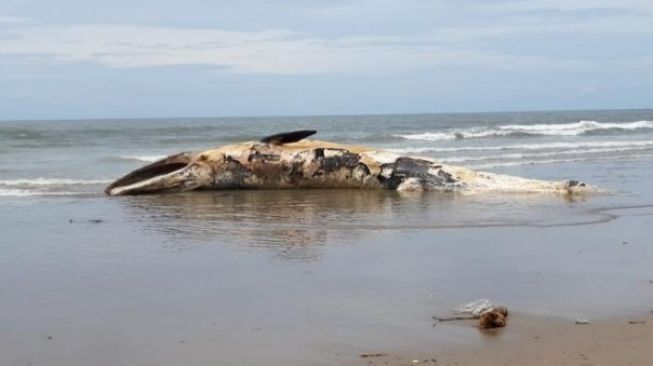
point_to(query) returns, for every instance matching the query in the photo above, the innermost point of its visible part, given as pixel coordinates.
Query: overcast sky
(159, 58)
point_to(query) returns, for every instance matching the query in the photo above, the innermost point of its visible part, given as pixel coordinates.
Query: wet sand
(538, 341)
(319, 278)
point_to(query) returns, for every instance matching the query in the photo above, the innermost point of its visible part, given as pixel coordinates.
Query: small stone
(582, 321)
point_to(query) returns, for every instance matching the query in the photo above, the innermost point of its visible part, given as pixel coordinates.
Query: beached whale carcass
(289, 160)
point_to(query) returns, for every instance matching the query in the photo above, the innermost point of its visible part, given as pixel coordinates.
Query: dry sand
(529, 340)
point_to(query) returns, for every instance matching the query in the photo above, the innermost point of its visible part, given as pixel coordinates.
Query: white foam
(10, 192)
(14, 192)
(577, 128)
(144, 158)
(427, 136)
(50, 182)
(555, 129)
(463, 159)
(526, 162)
(550, 161)
(541, 146)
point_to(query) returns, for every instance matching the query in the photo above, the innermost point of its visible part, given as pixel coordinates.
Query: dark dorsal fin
(287, 137)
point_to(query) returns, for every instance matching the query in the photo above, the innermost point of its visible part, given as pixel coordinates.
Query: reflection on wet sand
(292, 223)
(295, 223)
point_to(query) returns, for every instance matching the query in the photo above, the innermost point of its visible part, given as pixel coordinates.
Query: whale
(291, 160)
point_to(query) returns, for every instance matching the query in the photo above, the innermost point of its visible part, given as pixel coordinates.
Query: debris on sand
(494, 318)
(92, 221)
(367, 355)
(582, 321)
(636, 322)
(475, 308)
(389, 359)
(488, 315)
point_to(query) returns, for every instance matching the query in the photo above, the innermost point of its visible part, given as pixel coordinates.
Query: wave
(550, 161)
(11, 192)
(464, 159)
(428, 136)
(143, 158)
(41, 186)
(578, 127)
(556, 129)
(501, 164)
(541, 146)
(527, 162)
(40, 182)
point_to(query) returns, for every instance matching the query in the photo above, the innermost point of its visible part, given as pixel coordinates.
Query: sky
(208, 58)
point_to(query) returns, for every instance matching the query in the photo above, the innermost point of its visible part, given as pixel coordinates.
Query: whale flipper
(287, 137)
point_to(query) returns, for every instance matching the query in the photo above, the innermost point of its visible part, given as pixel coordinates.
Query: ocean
(300, 277)
(41, 158)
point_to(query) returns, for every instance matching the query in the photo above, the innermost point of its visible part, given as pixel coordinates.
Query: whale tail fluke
(287, 137)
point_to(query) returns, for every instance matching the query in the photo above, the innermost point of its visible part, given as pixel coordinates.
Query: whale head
(176, 173)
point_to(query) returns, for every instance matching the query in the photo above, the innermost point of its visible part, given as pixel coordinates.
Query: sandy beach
(535, 341)
(321, 277)
(141, 281)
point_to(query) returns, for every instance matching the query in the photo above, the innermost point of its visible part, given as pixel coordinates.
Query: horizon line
(319, 115)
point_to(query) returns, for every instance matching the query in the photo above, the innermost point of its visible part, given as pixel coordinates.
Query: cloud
(588, 89)
(569, 5)
(10, 19)
(273, 51)
(270, 51)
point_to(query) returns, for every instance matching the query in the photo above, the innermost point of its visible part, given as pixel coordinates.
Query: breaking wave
(548, 161)
(560, 129)
(541, 146)
(11, 192)
(465, 159)
(25, 187)
(40, 182)
(143, 158)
